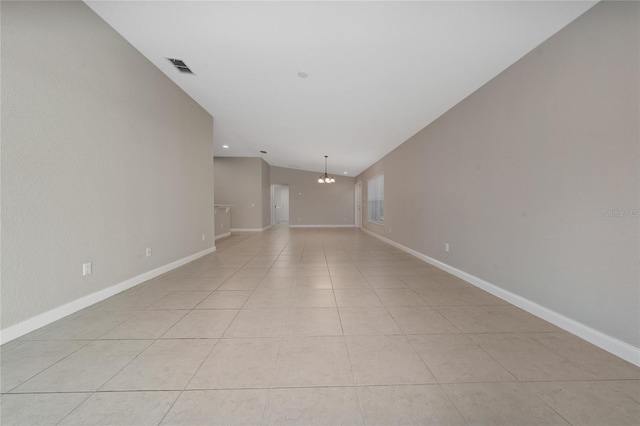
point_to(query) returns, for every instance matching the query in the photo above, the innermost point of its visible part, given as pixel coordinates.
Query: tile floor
(311, 326)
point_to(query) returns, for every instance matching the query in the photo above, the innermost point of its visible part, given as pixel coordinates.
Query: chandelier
(326, 178)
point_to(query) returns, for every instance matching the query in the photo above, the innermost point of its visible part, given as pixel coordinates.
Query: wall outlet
(86, 269)
(389, 229)
(203, 237)
(299, 219)
(446, 247)
(148, 252)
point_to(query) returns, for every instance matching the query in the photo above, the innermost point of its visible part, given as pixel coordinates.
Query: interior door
(277, 203)
(284, 203)
(280, 203)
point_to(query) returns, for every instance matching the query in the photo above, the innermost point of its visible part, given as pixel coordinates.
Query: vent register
(180, 65)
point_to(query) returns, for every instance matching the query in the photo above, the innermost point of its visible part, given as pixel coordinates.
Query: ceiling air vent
(182, 67)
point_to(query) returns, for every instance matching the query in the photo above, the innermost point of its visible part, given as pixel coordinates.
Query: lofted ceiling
(376, 72)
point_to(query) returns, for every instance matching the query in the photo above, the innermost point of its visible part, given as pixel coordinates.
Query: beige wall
(519, 176)
(222, 221)
(312, 203)
(266, 193)
(246, 183)
(102, 156)
(240, 181)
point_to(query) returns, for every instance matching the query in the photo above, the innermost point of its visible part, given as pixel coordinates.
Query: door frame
(273, 202)
(358, 205)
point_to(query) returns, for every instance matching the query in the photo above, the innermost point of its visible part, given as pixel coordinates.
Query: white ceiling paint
(378, 71)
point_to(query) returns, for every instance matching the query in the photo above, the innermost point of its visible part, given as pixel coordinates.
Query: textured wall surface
(266, 193)
(102, 157)
(222, 221)
(534, 179)
(238, 181)
(312, 203)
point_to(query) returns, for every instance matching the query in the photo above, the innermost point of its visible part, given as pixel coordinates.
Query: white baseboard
(608, 343)
(322, 226)
(226, 234)
(38, 321)
(251, 229)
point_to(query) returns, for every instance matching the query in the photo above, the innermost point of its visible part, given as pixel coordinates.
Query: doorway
(358, 204)
(279, 203)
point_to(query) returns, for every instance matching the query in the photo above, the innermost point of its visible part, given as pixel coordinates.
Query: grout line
(524, 382)
(171, 407)
(549, 405)
(46, 368)
(265, 245)
(204, 359)
(450, 399)
(76, 407)
(127, 364)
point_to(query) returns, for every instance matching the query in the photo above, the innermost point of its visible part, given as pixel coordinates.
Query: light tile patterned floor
(311, 326)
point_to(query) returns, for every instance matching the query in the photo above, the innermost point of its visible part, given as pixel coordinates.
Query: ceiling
(378, 72)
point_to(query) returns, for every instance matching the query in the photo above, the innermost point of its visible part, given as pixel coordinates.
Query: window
(375, 189)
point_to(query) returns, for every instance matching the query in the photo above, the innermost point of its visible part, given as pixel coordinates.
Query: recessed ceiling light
(264, 152)
(302, 74)
(225, 146)
(346, 173)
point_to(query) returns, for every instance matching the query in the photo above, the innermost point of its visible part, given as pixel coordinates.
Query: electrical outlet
(446, 247)
(86, 269)
(148, 252)
(202, 237)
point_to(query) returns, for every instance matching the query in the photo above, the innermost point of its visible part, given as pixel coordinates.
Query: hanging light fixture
(326, 178)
